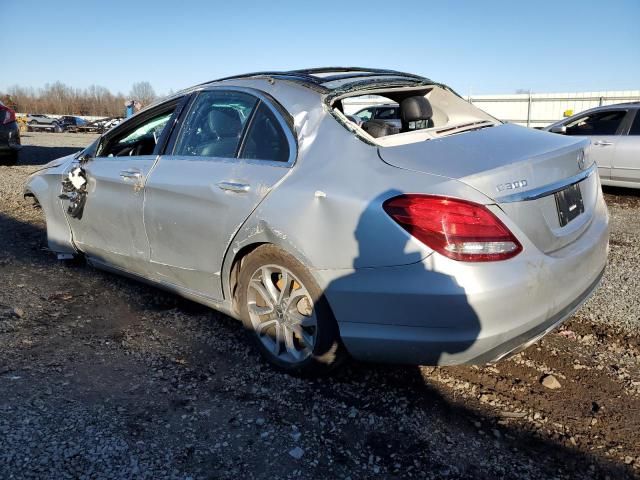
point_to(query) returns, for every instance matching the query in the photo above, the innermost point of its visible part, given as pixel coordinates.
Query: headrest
(414, 109)
(225, 122)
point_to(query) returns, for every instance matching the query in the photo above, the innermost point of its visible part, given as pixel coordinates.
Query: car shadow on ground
(624, 197)
(368, 388)
(36, 155)
(621, 191)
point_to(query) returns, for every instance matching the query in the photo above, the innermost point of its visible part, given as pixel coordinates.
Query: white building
(541, 109)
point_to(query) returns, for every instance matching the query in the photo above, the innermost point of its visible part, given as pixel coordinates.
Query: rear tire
(286, 314)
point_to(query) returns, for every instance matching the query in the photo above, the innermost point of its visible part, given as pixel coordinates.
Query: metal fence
(541, 109)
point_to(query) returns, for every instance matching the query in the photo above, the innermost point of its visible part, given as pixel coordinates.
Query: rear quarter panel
(328, 211)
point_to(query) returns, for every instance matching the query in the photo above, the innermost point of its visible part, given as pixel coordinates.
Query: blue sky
(478, 46)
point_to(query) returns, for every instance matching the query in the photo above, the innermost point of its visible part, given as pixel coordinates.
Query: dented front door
(111, 228)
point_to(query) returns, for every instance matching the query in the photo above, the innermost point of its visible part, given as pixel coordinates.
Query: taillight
(7, 115)
(455, 228)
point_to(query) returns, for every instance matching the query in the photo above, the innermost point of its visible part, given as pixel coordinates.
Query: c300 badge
(511, 185)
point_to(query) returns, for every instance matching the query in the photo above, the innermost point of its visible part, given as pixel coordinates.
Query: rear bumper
(417, 345)
(442, 312)
(401, 344)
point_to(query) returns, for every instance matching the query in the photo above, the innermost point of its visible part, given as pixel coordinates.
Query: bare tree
(143, 92)
(61, 99)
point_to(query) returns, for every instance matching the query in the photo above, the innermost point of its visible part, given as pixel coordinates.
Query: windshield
(153, 127)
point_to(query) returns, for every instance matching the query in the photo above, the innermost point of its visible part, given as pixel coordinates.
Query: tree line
(60, 99)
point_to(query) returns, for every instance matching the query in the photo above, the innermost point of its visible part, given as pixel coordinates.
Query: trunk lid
(511, 164)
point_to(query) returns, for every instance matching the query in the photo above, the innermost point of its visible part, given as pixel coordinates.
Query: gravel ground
(103, 377)
(617, 302)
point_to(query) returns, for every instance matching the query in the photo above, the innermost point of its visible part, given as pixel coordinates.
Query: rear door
(111, 228)
(233, 146)
(603, 127)
(626, 165)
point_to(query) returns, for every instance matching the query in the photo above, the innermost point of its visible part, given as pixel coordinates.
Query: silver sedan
(614, 131)
(451, 239)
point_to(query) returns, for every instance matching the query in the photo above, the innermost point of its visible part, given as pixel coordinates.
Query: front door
(111, 228)
(231, 150)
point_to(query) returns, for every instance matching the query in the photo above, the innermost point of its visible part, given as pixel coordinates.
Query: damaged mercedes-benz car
(453, 238)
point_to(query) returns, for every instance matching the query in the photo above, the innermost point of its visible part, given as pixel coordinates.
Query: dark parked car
(70, 123)
(9, 136)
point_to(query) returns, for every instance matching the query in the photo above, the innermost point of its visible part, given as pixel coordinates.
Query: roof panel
(331, 77)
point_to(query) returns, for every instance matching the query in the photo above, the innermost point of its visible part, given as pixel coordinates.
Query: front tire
(286, 314)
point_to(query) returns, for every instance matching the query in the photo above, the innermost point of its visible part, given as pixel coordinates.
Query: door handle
(602, 143)
(234, 187)
(132, 173)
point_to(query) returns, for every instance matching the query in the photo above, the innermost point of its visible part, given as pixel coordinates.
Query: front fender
(45, 186)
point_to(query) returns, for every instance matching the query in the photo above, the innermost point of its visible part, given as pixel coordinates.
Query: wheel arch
(29, 196)
(246, 241)
(231, 291)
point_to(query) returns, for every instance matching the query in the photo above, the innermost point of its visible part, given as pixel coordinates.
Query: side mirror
(88, 153)
(559, 129)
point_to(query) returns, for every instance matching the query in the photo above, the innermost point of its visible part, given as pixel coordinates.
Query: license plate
(569, 203)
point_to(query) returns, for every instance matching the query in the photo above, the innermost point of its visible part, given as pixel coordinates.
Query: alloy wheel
(282, 314)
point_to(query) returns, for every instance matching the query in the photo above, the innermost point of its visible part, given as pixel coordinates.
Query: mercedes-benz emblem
(581, 159)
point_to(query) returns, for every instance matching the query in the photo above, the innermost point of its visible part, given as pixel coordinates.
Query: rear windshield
(407, 115)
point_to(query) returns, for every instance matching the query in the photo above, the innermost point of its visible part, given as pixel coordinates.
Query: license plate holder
(569, 203)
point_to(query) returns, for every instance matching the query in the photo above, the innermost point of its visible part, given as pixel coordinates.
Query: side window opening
(365, 114)
(214, 124)
(389, 113)
(635, 127)
(597, 123)
(265, 139)
(140, 140)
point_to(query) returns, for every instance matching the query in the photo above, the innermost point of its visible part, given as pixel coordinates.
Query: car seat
(378, 128)
(415, 113)
(224, 127)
